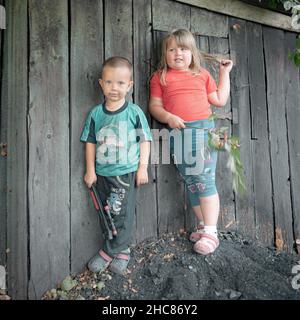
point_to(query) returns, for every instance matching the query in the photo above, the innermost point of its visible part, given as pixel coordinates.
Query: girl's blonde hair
(183, 38)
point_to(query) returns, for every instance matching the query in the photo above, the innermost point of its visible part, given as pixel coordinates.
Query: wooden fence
(51, 57)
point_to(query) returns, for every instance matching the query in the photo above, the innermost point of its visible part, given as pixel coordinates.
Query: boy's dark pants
(120, 193)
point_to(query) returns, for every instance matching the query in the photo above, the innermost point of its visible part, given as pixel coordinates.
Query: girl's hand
(175, 122)
(141, 175)
(226, 65)
(90, 178)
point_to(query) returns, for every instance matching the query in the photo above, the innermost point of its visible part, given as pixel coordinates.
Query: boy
(117, 138)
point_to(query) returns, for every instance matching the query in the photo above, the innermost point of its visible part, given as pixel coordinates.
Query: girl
(181, 93)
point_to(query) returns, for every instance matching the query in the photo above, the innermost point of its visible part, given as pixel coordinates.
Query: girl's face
(178, 57)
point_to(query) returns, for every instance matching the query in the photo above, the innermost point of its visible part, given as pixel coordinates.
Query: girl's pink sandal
(197, 234)
(207, 244)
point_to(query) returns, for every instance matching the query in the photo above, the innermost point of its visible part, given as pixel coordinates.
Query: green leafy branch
(218, 139)
(294, 6)
(295, 56)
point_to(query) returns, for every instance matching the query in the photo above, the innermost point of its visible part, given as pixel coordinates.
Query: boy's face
(115, 83)
(177, 57)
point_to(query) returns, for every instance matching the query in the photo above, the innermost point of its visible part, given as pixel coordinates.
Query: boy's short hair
(117, 62)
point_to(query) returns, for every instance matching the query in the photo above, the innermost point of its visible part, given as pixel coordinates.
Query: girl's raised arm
(219, 98)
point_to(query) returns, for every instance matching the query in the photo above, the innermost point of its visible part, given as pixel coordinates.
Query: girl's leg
(209, 241)
(210, 207)
(198, 231)
(198, 213)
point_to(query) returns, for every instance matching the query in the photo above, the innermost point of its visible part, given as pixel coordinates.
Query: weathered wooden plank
(85, 67)
(203, 45)
(17, 149)
(170, 199)
(158, 37)
(48, 135)
(190, 218)
(292, 103)
(146, 210)
(170, 190)
(240, 101)
(267, 5)
(220, 47)
(118, 42)
(168, 15)
(227, 211)
(142, 39)
(275, 56)
(2, 16)
(118, 28)
(238, 9)
(207, 23)
(259, 125)
(3, 140)
(156, 153)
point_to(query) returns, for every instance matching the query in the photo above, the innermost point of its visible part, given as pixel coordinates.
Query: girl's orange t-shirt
(185, 94)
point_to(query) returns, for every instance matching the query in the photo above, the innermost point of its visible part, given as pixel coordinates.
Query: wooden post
(203, 45)
(260, 136)
(86, 60)
(49, 157)
(170, 187)
(220, 46)
(118, 28)
(240, 103)
(3, 145)
(17, 223)
(2, 17)
(146, 208)
(292, 104)
(238, 9)
(171, 202)
(212, 31)
(169, 15)
(275, 57)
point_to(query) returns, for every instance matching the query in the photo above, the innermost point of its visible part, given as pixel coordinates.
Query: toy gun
(106, 221)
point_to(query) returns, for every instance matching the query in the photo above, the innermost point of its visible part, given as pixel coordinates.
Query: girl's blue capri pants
(194, 159)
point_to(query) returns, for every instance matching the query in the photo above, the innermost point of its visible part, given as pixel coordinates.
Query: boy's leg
(119, 193)
(121, 200)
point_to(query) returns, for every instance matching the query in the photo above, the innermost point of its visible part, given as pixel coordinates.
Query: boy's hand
(141, 175)
(90, 178)
(226, 65)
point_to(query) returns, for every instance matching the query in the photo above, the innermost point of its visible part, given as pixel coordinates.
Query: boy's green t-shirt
(117, 136)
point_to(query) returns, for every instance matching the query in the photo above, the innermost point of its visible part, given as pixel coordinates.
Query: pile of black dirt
(168, 269)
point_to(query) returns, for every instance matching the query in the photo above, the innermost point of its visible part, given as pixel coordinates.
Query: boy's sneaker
(120, 262)
(99, 262)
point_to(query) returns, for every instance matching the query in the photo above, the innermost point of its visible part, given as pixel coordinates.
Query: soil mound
(168, 269)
